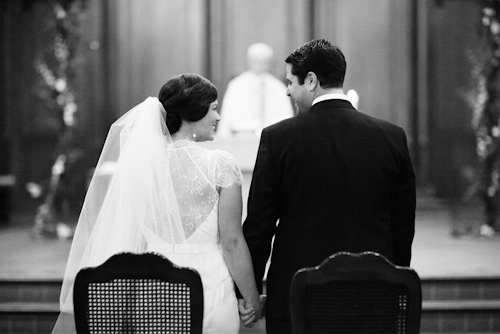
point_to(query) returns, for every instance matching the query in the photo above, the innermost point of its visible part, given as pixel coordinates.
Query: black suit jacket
(336, 180)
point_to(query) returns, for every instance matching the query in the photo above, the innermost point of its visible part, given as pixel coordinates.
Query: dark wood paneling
(375, 38)
(149, 44)
(28, 131)
(453, 32)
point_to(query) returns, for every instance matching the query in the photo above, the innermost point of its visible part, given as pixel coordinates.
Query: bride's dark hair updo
(186, 97)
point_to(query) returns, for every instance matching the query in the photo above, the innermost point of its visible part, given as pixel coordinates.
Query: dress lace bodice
(197, 175)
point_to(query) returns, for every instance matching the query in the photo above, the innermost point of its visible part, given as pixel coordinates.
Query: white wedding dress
(151, 194)
(207, 171)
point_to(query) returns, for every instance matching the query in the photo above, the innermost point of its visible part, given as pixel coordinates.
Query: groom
(330, 179)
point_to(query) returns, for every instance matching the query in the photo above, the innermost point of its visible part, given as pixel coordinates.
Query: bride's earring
(194, 134)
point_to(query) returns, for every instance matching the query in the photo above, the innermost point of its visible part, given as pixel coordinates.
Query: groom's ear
(311, 81)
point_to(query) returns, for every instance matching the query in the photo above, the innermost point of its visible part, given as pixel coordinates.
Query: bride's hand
(247, 315)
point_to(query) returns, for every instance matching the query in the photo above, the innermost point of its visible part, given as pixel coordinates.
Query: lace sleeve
(227, 171)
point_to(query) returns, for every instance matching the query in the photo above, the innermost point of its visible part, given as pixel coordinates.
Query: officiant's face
(299, 93)
(205, 127)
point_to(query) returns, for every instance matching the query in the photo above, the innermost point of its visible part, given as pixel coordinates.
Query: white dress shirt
(330, 97)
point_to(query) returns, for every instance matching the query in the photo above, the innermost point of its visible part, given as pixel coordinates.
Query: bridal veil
(133, 198)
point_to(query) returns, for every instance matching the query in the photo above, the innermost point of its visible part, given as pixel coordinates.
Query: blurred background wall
(407, 59)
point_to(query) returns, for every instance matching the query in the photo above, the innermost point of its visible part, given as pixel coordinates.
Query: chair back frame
(130, 266)
(365, 266)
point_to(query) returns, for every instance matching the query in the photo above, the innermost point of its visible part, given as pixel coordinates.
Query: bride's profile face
(205, 127)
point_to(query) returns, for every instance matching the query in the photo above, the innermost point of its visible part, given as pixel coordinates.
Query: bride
(155, 190)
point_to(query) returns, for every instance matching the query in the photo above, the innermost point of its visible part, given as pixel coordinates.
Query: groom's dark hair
(321, 57)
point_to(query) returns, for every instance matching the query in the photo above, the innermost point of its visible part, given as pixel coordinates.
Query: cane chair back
(359, 293)
(138, 293)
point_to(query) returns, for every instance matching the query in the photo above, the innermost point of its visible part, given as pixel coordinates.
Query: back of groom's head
(321, 57)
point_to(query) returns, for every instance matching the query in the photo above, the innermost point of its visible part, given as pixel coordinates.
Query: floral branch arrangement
(486, 116)
(58, 66)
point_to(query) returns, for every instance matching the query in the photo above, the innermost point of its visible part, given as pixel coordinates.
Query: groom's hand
(247, 315)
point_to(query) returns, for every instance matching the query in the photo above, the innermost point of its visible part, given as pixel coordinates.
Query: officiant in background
(255, 98)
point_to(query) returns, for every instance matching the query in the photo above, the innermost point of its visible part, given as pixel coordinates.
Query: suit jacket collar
(332, 104)
(330, 96)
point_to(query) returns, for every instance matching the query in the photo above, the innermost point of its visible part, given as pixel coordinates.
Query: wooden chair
(356, 293)
(138, 293)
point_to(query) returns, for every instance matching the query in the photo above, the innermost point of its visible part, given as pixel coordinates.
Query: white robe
(252, 102)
